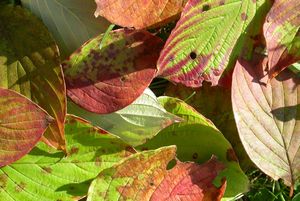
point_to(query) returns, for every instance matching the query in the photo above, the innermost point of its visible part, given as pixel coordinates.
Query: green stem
(279, 189)
(108, 30)
(190, 96)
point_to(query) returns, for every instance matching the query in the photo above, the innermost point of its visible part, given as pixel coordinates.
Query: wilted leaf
(197, 139)
(29, 64)
(108, 79)
(141, 120)
(46, 174)
(215, 104)
(207, 39)
(139, 13)
(267, 116)
(70, 21)
(144, 176)
(282, 33)
(22, 124)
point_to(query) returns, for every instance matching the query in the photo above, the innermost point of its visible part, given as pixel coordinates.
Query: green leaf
(22, 124)
(29, 64)
(268, 118)
(70, 21)
(145, 176)
(141, 120)
(197, 139)
(46, 174)
(282, 33)
(108, 79)
(207, 39)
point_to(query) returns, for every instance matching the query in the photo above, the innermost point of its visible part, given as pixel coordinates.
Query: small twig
(108, 30)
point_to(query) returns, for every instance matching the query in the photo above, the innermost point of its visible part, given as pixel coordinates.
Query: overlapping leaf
(46, 174)
(144, 176)
(22, 124)
(207, 39)
(139, 13)
(282, 33)
(29, 64)
(268, 119)
(107, 79)
(70, 21)
(197, 139)
(139, 121)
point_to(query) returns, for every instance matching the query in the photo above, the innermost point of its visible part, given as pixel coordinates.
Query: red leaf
(282, 34)
(108, 79)
(22, 124)
(144, 176)
(139, 13)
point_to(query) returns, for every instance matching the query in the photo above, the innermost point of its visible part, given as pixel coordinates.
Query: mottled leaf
(139, 13)
(139, 121)
(70, 21)
(22, 124)
(144, 176)
(29, 64)
(108, 79)
(46, 174)
(197, 139)
(282, 33)
(267, 116)
(207, 39)
(215, 104)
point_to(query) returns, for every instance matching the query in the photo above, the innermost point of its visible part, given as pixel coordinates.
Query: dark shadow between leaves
(76, 189)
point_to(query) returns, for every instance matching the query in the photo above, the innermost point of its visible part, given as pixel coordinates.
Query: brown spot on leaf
(195, 156)
(47, 170)
(3, 181)
(230, 155)
(244, 16)
(222, 3)
(74, 150)
(98, 161)
(20, 187)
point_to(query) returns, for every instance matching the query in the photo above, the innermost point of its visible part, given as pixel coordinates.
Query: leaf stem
(108, 30)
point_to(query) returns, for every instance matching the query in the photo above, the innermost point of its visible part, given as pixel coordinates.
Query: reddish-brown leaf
(282, 34)
(139, 13)
(107, 79)
(144, 176)
(22, 124)
(268, 118)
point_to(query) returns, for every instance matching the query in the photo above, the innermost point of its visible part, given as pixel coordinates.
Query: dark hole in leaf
(206, 7)
(193, 55)
(171, 164)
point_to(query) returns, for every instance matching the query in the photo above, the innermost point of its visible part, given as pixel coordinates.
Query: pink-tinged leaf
(145, 176)
(108, 79)
(22, 124)
(282, 33)
(207, 39)
(139, 13)
(268, 118)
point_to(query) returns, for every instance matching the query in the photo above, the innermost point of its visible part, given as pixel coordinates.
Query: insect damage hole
(193, 55)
